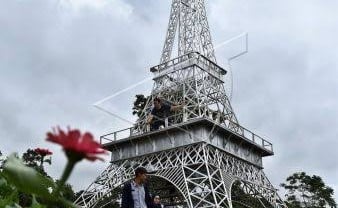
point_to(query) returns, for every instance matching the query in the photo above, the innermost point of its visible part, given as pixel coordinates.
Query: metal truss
(196, 81)
(202, 174)
(189, 16)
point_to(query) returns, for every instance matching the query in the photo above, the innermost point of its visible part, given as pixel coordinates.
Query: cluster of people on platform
(135, 194)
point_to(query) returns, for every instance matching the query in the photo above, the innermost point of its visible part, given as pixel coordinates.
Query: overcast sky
(58, 57)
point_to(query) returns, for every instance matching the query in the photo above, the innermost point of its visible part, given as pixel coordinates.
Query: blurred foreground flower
(43, 152)
(76, 145)
(43, 190)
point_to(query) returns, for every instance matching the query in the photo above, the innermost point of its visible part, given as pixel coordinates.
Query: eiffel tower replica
(202, 152)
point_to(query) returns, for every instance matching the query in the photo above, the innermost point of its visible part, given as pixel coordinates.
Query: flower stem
(66, 173)
(41, 162)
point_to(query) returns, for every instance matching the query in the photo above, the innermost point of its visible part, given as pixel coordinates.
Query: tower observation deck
(202, 151)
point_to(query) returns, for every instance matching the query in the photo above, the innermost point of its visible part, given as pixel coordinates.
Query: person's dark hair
(157, 99)
(140, 170)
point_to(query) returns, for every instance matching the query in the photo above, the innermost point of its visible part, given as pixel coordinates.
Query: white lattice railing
(245, 133)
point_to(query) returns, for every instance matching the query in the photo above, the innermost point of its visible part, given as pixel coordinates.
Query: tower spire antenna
(193, 35)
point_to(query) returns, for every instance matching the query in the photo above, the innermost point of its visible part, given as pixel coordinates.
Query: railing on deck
(208, 65)
(117, 135)
(256, 139)
(128, 132)
(173, 62)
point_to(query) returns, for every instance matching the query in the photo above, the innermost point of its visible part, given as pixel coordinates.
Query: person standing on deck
(160, 112)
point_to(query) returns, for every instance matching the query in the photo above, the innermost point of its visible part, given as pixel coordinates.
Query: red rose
(76, 145)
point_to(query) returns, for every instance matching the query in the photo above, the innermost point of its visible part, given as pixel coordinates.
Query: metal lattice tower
(189, 17)
(202, 151)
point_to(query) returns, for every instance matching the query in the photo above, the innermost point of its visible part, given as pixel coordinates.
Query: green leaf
(10, 200)
(13, 206)
(5, 188)
(27, 179)
(8, 194)
(36, 204)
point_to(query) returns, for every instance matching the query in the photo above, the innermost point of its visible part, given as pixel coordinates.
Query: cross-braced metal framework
(196, 81)
(193, 77)
(201, 170)
(189, 17)
(202, 174)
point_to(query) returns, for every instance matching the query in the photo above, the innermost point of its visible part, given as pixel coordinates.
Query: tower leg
(206, 187)
(202, 175)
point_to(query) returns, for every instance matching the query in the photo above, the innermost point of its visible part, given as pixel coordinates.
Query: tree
(1, 160)
(36, 160)
(21, 185)
(139, 104)
(32, 159)
(307, 191)
(240, 199)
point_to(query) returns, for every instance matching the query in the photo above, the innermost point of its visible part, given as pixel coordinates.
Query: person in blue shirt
(159, 112)
(135, 194)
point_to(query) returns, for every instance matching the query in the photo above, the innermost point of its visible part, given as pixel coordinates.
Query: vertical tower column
(189, 16)
(205, 183)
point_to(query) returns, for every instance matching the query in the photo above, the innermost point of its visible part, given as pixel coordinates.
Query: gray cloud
(57, 59)
(285, 86)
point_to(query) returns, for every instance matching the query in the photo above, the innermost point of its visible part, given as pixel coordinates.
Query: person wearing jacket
(135, 194)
